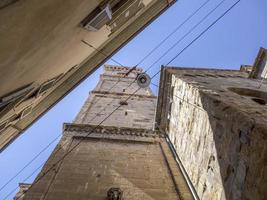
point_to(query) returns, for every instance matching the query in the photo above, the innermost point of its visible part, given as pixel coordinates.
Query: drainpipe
(186, 177)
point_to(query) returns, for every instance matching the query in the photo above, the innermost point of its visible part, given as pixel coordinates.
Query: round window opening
(257, 96)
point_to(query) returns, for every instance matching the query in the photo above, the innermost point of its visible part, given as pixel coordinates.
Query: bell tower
(112, 91)
(111, 151)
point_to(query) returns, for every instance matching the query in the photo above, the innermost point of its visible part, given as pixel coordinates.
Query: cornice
(123, 94)
(68, 128)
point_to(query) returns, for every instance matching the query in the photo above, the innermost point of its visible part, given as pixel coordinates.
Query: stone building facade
(217, 121)
(112, 91)
(101, 155)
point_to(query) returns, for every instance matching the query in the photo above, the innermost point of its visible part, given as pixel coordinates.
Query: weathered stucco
(44, 44)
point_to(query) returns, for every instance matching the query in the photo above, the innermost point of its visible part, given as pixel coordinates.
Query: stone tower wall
(112, 91)
(219, 132)
(135, 160)
(123, 152)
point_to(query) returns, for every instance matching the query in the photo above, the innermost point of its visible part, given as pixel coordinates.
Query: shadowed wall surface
(45, 51)
(219, 131)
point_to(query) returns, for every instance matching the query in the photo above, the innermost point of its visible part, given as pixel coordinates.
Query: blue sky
(235, 40)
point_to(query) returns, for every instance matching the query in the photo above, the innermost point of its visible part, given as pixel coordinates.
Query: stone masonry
(23, 188)
(217, 121)
(137, 112)
(122, 152)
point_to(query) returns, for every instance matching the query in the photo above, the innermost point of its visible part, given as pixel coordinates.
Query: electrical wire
(101, 52)
(29, 176)
(165, 39)
(155, 48)
(115, 61)
(179, 162)
(33, 159)
(184, 36)
(174, 31)
(203, 32)
(68, 152)
(199, 36)
(182, 99)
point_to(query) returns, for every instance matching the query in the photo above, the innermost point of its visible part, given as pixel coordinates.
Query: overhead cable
(199, 36)
(117, 62)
